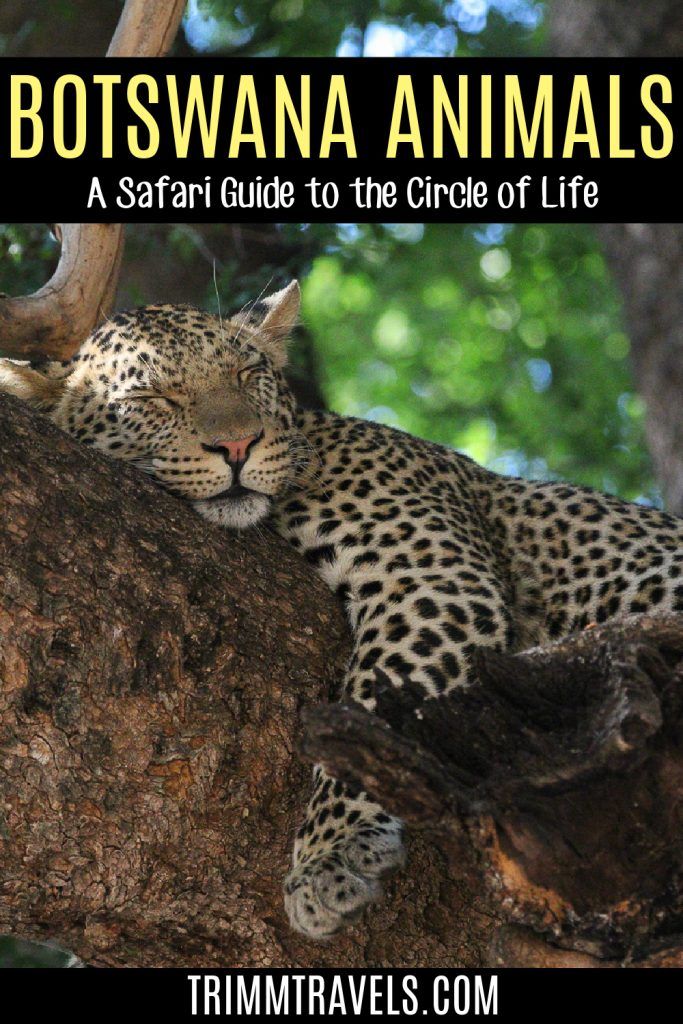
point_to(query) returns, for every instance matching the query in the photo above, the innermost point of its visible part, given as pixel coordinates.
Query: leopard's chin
(238, 512)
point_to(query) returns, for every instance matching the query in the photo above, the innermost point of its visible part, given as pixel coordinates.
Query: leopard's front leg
(343, 847)
(347, 841)
(409, 629)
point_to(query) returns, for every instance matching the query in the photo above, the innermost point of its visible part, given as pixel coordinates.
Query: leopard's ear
(33, 387)
(274, 319)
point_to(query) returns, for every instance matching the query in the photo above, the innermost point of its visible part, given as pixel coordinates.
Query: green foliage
(318, 28)
(28, 253)
(505, 342)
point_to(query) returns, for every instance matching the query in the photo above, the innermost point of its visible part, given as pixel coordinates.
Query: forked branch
(54, 320)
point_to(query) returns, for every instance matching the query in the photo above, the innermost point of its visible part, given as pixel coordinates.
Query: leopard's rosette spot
(432, 555)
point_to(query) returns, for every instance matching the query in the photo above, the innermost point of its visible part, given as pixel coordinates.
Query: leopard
(432, 555)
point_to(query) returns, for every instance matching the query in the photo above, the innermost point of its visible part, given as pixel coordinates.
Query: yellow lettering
(580, 103)
(615, 148)
(658, 115)
(337, 98)
(286, 111)
(107, 82)
(61, 148)
(515, 117)
(182, 130)
(458, 126)
(143, 152)
(30, 113)
(486, 119)
(246, 97)
(404, 97)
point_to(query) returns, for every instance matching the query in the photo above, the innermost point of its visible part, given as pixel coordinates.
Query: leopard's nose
(234, 450)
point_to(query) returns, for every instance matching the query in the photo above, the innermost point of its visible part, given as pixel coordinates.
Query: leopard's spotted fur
(431, 554)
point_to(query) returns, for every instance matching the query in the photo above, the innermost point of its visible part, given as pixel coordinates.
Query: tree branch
(59, 316)
(146, 28)
(53, 321)
(563, 768)
(152, 672)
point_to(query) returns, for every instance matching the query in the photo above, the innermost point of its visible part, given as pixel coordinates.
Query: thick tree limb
(152, 671)
(563, 768)
(54, 321)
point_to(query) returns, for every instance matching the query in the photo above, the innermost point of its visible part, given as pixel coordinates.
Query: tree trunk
(648, 263)
(647, 258)
(152, 671)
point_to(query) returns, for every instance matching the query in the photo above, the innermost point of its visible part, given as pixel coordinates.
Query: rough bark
(647, 258)
(612, 28)
(152, 671)
(147, 28)
(561, 773)
(648, 262)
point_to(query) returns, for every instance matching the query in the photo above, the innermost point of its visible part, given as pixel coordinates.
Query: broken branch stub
(563, 767)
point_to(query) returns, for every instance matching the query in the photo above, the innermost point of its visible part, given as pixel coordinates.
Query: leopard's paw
(332, 888)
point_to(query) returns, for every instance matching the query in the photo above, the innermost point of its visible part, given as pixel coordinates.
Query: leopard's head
(199, 403)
